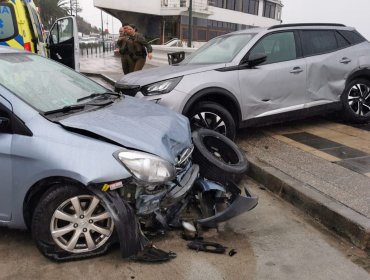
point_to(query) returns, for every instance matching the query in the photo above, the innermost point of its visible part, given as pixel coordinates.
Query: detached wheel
(356, 101)
(219, 158)
(212, 116)
(71, 223)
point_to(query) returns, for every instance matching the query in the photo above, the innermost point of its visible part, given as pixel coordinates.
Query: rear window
(353, 37)
(318, 42)
(8, 27)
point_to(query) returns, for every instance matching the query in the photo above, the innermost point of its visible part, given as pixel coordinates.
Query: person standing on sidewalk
(122, 49)
(134, 49)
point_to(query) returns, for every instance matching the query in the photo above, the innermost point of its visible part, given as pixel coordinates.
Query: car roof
(294, 26)
(5, 49)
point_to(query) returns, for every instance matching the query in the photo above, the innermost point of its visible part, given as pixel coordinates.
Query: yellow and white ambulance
(21, 28)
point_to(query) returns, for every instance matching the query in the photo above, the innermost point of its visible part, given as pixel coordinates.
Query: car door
(5, 162)
(279, 84)
(329, 59)
(63, 42)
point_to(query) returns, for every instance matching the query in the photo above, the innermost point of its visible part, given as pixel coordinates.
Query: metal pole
(190, 25)
(102, 30)
(71, 6)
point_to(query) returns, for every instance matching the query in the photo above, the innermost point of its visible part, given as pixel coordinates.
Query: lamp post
(190, 25)
(102, 29)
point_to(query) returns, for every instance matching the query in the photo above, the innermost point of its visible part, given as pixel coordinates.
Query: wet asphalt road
(273, 241)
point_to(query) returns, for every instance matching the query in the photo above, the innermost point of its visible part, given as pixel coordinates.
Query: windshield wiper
(65, 109)
(93, 95)
(69, 108)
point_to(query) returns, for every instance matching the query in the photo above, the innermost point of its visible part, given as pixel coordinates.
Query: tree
(50, 10)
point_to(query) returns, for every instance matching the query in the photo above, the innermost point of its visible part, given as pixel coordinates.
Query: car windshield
(222, 49)
(42, 83)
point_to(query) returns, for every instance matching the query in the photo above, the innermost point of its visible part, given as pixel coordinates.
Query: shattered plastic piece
(212, 247)
(232, 252)
(153, 254)
(189, 226)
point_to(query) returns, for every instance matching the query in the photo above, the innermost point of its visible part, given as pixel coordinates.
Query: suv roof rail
(305, 24)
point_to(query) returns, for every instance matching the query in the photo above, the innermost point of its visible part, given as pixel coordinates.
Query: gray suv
(264, 75)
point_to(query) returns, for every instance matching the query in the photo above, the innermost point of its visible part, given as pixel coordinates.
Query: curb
(332, 214)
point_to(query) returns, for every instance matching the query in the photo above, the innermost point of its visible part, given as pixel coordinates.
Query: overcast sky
(351, 13)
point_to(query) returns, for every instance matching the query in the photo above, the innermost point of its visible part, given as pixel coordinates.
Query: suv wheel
(356, 101)
(70, 223)
(212, 116)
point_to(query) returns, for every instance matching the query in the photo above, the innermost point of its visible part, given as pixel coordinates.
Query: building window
(250, 7)
(269, 9)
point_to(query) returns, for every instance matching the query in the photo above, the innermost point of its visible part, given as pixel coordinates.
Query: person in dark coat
(133, 49)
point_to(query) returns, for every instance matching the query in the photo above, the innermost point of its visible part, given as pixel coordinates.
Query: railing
(90, 49)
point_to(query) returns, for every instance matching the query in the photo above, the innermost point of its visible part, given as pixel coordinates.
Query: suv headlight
(147, 167)
(161, 87)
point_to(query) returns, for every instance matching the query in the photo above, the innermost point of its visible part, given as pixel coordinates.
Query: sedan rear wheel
(356, 101)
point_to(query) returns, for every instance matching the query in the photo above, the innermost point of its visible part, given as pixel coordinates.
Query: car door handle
(58, 56)
(296, 70)
(345, 60)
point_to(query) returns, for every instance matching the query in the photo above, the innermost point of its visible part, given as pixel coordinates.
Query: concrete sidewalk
(320, 166)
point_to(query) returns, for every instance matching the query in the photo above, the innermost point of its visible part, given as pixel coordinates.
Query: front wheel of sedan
(356, 101)
(71, 223)
(212, 116)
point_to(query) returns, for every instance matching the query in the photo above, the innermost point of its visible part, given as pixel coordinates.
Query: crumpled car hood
(137, 124)
(152, 75)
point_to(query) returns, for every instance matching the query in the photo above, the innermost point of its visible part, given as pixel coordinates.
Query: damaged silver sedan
(83, 167)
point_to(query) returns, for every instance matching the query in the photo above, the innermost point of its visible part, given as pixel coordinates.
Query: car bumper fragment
(240, 203)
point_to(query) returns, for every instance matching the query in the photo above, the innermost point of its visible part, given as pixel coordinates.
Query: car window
(352, 36)
(219, 50)
(4, 114)
(342, 42)
(8, 24)
(277, 47)
(318, 42)
(62, 31)
(43, 83)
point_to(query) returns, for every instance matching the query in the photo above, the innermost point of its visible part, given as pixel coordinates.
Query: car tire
(356, 101)
(212, 116)
(219, 158)
(71, 223)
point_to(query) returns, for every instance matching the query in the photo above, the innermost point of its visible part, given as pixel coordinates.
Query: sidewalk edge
(329, 212)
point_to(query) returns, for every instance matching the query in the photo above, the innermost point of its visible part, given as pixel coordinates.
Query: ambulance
(21, 28)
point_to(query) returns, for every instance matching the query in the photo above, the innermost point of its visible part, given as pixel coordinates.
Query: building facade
(167, 19)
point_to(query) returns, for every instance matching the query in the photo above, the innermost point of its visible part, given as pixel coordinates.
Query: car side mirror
(255, 59)
(4, 123)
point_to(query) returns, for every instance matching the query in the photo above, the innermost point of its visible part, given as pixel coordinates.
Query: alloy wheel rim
(209, 120)
(359, 99)
(81, 224)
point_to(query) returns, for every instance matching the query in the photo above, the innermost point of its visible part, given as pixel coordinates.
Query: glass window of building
(250, 7)
(269, 9)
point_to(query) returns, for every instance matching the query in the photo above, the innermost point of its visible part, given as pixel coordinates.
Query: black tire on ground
(66, 198)
(356, 101)
(212, 116)
(219, 158)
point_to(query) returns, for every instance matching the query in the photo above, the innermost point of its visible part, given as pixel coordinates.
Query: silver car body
(262, 91)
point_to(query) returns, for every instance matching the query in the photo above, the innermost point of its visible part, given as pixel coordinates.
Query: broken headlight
(147, 167)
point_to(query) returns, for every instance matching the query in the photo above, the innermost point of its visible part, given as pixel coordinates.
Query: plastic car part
(219, 158)
(130, 236)
(237, 204)
(152, 254)
(212, 116)
(212, 247)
